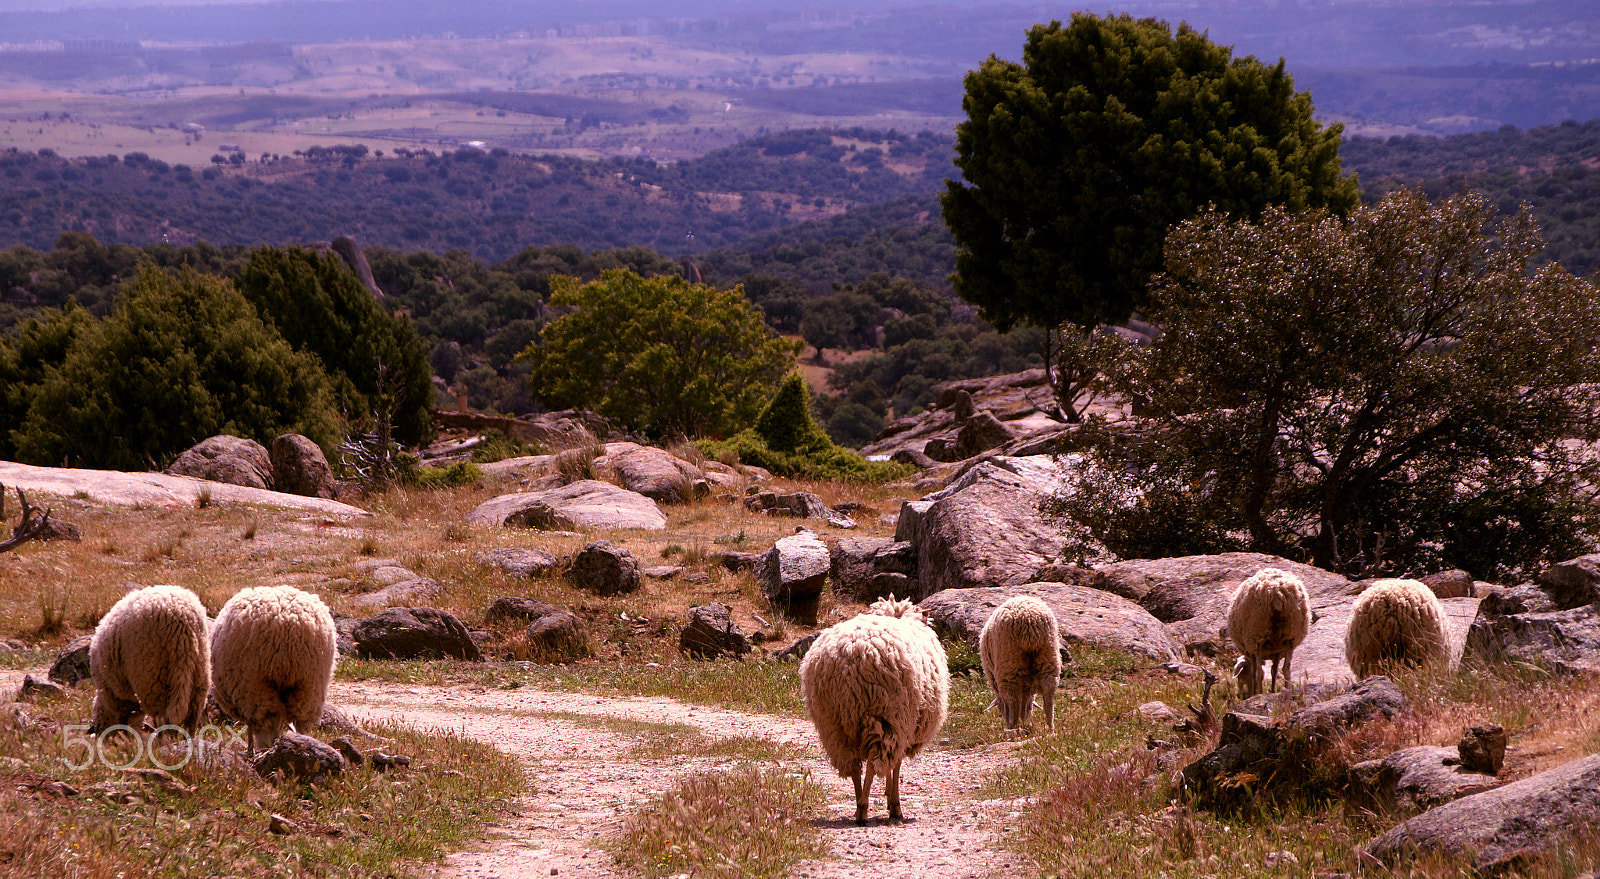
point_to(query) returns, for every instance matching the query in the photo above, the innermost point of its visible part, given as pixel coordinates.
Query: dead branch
(35, 523)
(1205, 719)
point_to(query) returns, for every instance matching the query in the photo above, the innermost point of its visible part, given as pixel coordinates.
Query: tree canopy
(1387, 393)
(182, 357)
(1077, 161)
(378, 363)
(661, 355)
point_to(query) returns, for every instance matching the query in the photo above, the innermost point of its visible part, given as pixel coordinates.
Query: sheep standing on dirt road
(1020, 646)
(1395, 621)
(877, 688)
(1268, 616)
(149, 656)
(272, 656)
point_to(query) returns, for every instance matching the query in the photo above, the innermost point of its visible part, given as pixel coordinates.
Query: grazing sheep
(148, 656)
(877, 688)
(1021, 650)
(272, 657)
(1395, 621)
(1268, 616)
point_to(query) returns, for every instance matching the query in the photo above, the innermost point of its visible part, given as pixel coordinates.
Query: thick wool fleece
(1395, 621)
(1020, 646)
(1268, 617)
(149, 656)
(877, 688)
(272, 657)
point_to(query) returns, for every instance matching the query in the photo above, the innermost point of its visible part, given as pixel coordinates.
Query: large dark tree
(377, 361)
(182, 357)
(1111, 130)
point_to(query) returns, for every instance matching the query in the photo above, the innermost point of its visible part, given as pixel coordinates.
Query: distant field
(582, 96)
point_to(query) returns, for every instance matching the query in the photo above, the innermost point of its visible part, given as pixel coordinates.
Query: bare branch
(35, 524)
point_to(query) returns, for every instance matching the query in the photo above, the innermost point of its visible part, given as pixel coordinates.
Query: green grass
(749, 821)
(361, 823)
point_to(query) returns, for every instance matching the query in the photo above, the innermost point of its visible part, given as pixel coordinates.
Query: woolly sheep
(1020, 646)
(1268, 616)
(877, 688)
(272, 655)
(148, 656)
(1395, 621)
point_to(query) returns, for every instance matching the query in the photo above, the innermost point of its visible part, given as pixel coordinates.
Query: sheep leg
(1050, 710)
(891, 785)
(1288, 676)
(863, 790)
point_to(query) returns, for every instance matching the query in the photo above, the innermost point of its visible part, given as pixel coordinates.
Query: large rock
(554, 634)
(604, 568)
(72, 664)
(531, 563)
(1190, 593)
(1573, 583)
(1498, 828)
(1417, 779)
(300, 467)
(792, 575)
(655, 473)
(1568, 640)
(1257, 756)
(300, 758)
(585, 504)
(987, 532)
(229, 459)
(865, 569)
(417, 590)
(414, 633)
(1085, 615)
(712, 632)
(800, 504)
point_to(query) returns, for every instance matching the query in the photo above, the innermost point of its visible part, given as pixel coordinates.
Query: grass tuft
(748, 821)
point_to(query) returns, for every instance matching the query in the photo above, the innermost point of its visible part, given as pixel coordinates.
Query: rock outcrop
(1497, 829)
(1084, 614)
(585, 504)
(229, 459)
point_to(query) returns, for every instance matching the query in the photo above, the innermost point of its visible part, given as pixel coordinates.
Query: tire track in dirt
(585, 784)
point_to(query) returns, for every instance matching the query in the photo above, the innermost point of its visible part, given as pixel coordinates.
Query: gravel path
(584, 785)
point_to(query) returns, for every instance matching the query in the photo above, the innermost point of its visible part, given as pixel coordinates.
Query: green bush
(829, 462)
(457, 474)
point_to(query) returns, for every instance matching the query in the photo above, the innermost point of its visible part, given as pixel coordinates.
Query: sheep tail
(875, 736)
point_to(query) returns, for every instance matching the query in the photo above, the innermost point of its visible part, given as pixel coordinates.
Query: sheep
(1020, 646)
(1269, 615)
(877, 688)
(1395, 621)
(149, 656)
(272, 655)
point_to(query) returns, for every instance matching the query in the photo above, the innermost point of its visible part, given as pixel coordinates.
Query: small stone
(383, 762)
(281, 825)
(35, 690)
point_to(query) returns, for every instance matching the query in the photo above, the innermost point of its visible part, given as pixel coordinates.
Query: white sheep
(1269, 615)
(877, 688)
(272, 655)
(1020, 646)
(149, 656)
(1395, 621)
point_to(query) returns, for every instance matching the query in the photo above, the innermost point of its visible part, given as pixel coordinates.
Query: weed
(52, 610)
(670, 550)
(746, 821)
(203, 499)
(730, 539)
(577, 463)
(249, 532)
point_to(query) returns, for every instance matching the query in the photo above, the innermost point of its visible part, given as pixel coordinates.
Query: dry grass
(97, 821)
(750, 821)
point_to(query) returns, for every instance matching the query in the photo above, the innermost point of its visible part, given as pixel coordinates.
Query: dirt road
(584, 784)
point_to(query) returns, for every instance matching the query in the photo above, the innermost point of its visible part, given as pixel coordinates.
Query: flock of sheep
(877, 687)
(267, 661)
